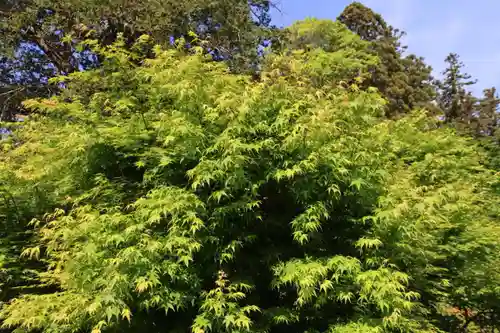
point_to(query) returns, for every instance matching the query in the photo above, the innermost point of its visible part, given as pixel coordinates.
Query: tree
(231, 29)
(229, 25)
(405, 81)
(364, 22)
(174, 195)
(486, 127)
(23, 76)
(452, 90)
(488, 113)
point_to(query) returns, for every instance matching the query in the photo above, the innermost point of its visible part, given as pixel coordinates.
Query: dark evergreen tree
(452, 90)
(487, 123)
(364, 22)
(405, 81)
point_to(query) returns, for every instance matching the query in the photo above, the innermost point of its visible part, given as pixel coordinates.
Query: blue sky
(434, 28)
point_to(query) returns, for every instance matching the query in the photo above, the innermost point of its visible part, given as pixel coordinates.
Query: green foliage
(453, 94)
(405, 81)
(174, 195)
(47, 35)
(487, 119)
(22, 77)
(54, 26)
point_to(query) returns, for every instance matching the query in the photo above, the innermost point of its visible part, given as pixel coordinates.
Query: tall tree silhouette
(488, 113)
(453, 89)
(404, 80)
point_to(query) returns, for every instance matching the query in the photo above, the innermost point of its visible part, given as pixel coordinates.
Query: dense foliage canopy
(404, 80)
(169, 194)
(49, 31)
(159, 190)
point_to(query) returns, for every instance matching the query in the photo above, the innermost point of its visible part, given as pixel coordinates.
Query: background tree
(229, 25)
(452, 90)
(24, 75)
(404, 80)
(488, 113)
(231, 29)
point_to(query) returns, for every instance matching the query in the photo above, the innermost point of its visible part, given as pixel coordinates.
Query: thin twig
(12, 91)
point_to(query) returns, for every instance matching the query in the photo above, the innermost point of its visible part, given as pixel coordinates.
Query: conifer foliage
(404, 80)
(171, 195)
(453, 98)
